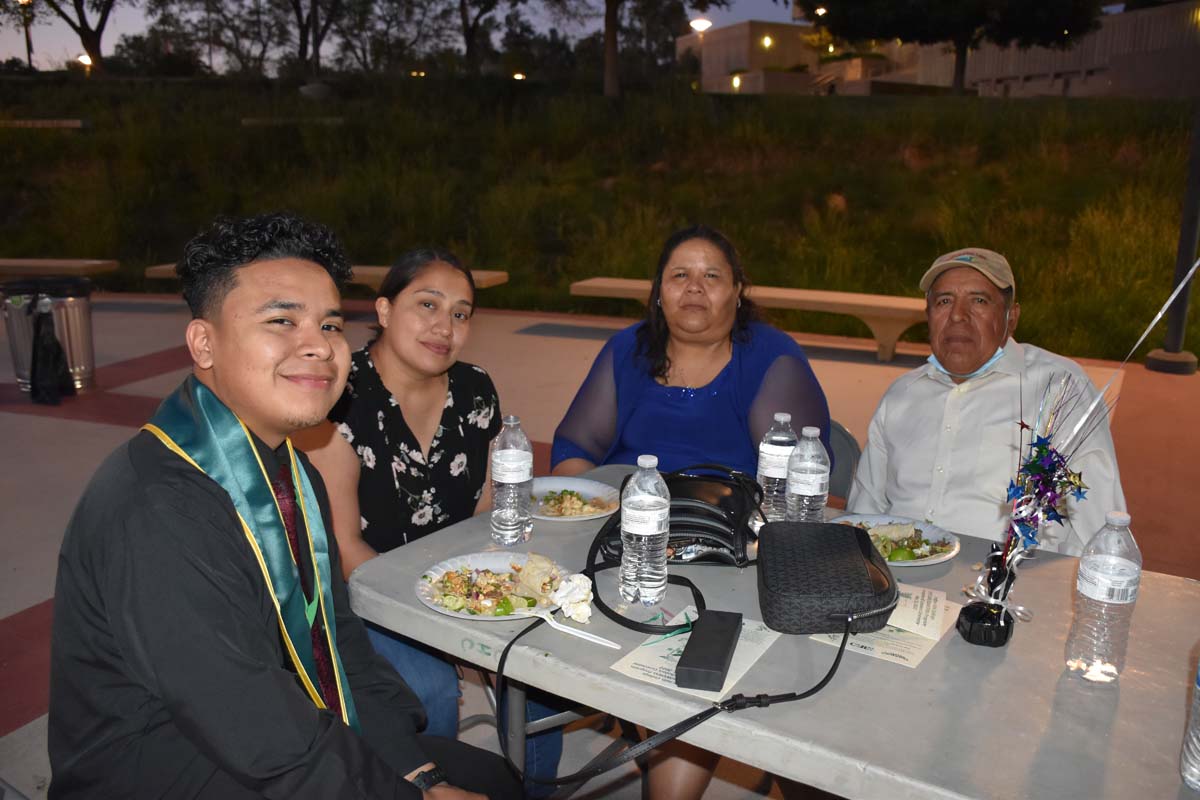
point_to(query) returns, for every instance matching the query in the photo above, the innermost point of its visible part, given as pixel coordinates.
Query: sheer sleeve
(588, 429)
(790, 385)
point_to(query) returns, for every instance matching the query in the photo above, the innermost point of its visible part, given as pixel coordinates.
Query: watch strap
(429, 778)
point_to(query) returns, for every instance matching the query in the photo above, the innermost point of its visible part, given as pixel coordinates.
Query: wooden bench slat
(47, 267)
(887, 316)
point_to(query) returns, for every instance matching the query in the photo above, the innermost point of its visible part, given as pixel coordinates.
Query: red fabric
(285, 494)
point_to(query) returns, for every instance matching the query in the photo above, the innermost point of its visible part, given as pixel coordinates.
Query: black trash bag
(49, 377)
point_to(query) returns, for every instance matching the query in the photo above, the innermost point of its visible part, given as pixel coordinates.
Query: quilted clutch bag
(812, 576)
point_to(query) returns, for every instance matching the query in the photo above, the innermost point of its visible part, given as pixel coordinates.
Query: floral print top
(403, 493)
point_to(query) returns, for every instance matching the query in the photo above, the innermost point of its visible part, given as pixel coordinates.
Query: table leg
(514, 722)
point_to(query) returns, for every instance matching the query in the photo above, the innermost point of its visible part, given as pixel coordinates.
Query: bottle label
(645, 522)
(808, 483)
(512, 466)
(773, 460)
(1108, 579)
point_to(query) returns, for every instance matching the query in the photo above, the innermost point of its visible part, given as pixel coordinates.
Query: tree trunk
(91, 45)
(314, 69)
(612, 65)
(961, 48)
(28, 42)
(469, 29)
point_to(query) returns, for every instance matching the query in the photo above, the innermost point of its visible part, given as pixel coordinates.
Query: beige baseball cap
(989, 263)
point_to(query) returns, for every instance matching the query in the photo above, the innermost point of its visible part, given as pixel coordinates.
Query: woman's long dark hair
(411, 263)
(654, 333)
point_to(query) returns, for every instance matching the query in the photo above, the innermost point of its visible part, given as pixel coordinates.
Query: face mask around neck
(933, 360)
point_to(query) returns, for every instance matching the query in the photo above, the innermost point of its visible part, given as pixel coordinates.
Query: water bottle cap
(512, 419)
(647, 462)
(811, 431)
(783, 416)
(1118, 519)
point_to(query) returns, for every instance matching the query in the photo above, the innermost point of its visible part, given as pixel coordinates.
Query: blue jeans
(435, 683)
(432, 678)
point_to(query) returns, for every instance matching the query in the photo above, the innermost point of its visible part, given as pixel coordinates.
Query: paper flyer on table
(895, 644)
(654, 660)
(919, 611)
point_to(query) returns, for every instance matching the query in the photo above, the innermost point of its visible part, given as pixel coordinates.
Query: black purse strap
(641, 627)
(735, 703)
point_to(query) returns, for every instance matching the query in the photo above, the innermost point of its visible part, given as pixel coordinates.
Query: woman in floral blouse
(412, 457)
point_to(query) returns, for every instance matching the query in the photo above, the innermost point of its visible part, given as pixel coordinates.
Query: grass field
(856, 194)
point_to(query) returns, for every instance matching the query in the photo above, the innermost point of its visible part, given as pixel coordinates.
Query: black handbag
(814, 577)
(710, 518)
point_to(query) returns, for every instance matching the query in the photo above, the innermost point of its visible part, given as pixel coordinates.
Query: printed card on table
(895, 644)
(655, 659)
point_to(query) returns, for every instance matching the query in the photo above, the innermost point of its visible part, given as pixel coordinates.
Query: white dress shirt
(945, 453)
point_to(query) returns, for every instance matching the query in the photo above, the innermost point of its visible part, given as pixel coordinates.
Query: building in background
(1152, 52)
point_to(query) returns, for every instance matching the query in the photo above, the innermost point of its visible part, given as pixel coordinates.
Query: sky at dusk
(53, 44)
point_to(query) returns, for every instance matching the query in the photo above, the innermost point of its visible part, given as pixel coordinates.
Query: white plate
(589, 490)
(496, 561)
(928, 531)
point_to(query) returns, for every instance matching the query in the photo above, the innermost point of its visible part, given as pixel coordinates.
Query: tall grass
(858, 194)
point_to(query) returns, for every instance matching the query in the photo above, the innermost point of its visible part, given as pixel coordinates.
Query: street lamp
(86, 60)
(27, 18)
(518, 76)
(700, 25)
(767, 41)
(822, 11)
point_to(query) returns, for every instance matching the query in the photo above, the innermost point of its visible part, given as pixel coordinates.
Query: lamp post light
(26, 19)
(700, 25)
(86, 60)
(822, 11)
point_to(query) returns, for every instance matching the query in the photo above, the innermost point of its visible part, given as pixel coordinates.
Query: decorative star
(1079, 494)
(1014, 491)
(1041, 441)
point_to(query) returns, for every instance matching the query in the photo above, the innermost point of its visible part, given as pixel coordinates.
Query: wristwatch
(429, 778)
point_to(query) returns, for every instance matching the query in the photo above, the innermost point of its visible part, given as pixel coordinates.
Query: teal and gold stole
(195, 425)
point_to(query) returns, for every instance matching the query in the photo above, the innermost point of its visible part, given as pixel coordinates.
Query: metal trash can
(69, 300)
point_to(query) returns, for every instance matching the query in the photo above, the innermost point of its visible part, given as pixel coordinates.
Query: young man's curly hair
(208, 269)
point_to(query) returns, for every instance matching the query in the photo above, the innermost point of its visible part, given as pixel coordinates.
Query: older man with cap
(946, 438)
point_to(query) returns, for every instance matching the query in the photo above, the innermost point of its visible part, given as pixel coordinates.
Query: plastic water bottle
(1106, 586)
(1189, 762)
(512, 484)
(808, 478)
(645, 522)
(773, 454)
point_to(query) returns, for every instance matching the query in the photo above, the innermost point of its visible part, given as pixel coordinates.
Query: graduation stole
(195, 425)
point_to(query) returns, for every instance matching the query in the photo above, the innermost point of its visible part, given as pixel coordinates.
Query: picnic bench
(363, 275)
(887, 316)
(55, 267)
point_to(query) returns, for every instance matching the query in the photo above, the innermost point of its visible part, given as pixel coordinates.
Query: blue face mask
(933, 360)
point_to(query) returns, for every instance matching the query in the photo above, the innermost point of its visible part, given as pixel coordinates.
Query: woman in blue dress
(699, 380)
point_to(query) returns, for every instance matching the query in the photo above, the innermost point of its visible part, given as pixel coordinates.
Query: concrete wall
(740, 48)
(1154, 52)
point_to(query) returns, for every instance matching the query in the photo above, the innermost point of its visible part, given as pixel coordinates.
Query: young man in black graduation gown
(203, 642)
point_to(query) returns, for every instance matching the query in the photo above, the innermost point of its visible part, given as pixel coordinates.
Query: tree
(375, 35)
(646, 9)
(524, 49)
(166, 48)
(23, 15)
(963, 23)
(89, 31)
(246, 32)
(314, 19)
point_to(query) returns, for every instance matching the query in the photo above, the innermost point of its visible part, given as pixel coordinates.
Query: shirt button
(939, 469)
(949, 427)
